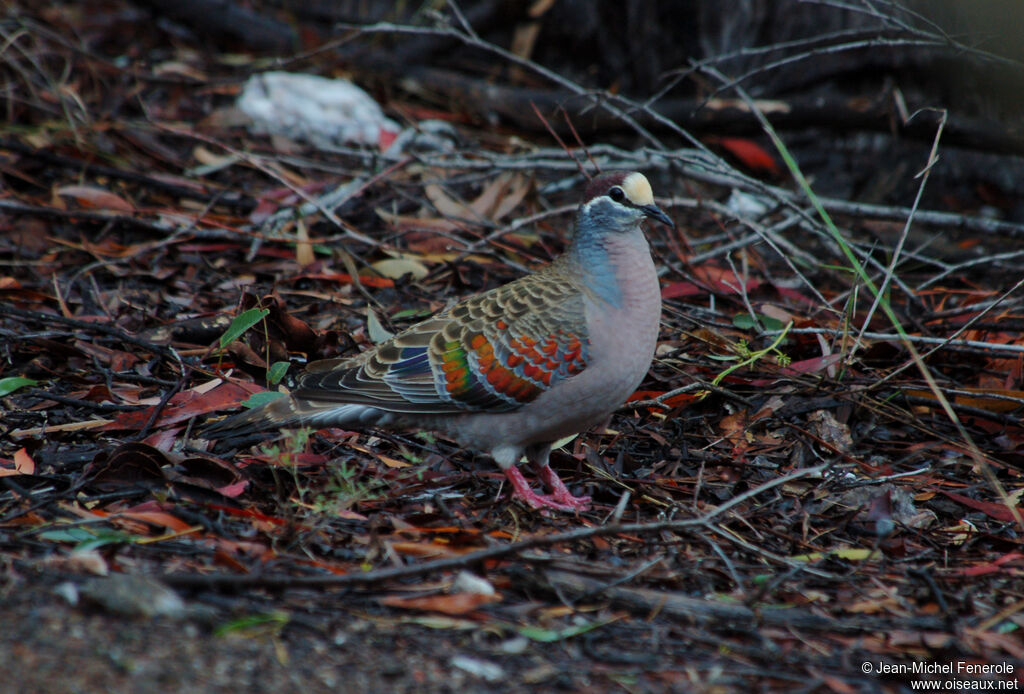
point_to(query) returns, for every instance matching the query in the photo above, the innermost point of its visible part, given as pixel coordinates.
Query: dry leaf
(396, 268)
(96, 198)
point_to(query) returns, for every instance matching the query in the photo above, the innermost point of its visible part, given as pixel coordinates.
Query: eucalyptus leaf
(744, 321)
(241, 323)
(277, 371)
(552, 635)
(85, 538)
(250, 622)
(261, 399)
(12, 383)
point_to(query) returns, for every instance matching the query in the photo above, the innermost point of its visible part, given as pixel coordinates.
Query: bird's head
(616, 202)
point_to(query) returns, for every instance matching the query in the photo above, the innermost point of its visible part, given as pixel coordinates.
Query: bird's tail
(288, 411)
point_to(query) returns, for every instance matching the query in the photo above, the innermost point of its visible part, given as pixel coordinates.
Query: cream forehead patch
(638, 189)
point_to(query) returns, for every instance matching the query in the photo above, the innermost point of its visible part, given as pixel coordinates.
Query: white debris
(747, 205)
(479, 668)
(68, 591)
(465, 582)
(516, 645)
(318, 110)
(133, 596)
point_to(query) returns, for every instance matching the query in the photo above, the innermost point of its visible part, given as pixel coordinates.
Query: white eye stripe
(600, 201)
(604, 206)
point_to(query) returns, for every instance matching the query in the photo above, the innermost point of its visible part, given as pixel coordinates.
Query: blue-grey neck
(589, 249)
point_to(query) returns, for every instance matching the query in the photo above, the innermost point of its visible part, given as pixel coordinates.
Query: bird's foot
(560, 498)
(559, 492)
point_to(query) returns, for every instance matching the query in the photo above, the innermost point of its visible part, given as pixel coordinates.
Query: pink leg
(539, 455)
(559, 492)
(562, 502)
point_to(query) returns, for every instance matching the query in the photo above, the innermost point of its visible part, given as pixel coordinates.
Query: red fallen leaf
(644, 395)
(456, 604)
(248, 513)
(115, 358)
(413, 112)
(385, 138)
(810, 366)
(427, 243)
(254, 550)
(426, 549)
(23, 464)
(1000, 512)
(96, 198)
(326, 566)
(222, 558)
(209, 247)
(749, 153)
(282, 252)
(724, 281)
(272, 200)
(716, 280)
(131, 421)
(306, 458)
(161, 518)
(97, 393)
(233, 490)
(300, 459)
(674, 401)
(344, 278)
(148, 506)
(11, 293)
(677, 289)
(163, 439)
(184, 406)
(990, 567)
(797, 368)
(440, 530)
(794, 296)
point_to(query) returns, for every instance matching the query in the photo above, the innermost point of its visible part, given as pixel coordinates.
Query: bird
(512, 370)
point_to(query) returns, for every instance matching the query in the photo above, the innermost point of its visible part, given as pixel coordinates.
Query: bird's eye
(617, 194)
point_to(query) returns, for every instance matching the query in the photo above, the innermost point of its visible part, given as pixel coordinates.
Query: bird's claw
(560, 498)
(560, 503)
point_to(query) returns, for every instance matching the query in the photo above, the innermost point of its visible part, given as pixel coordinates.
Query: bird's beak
(654, 212)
